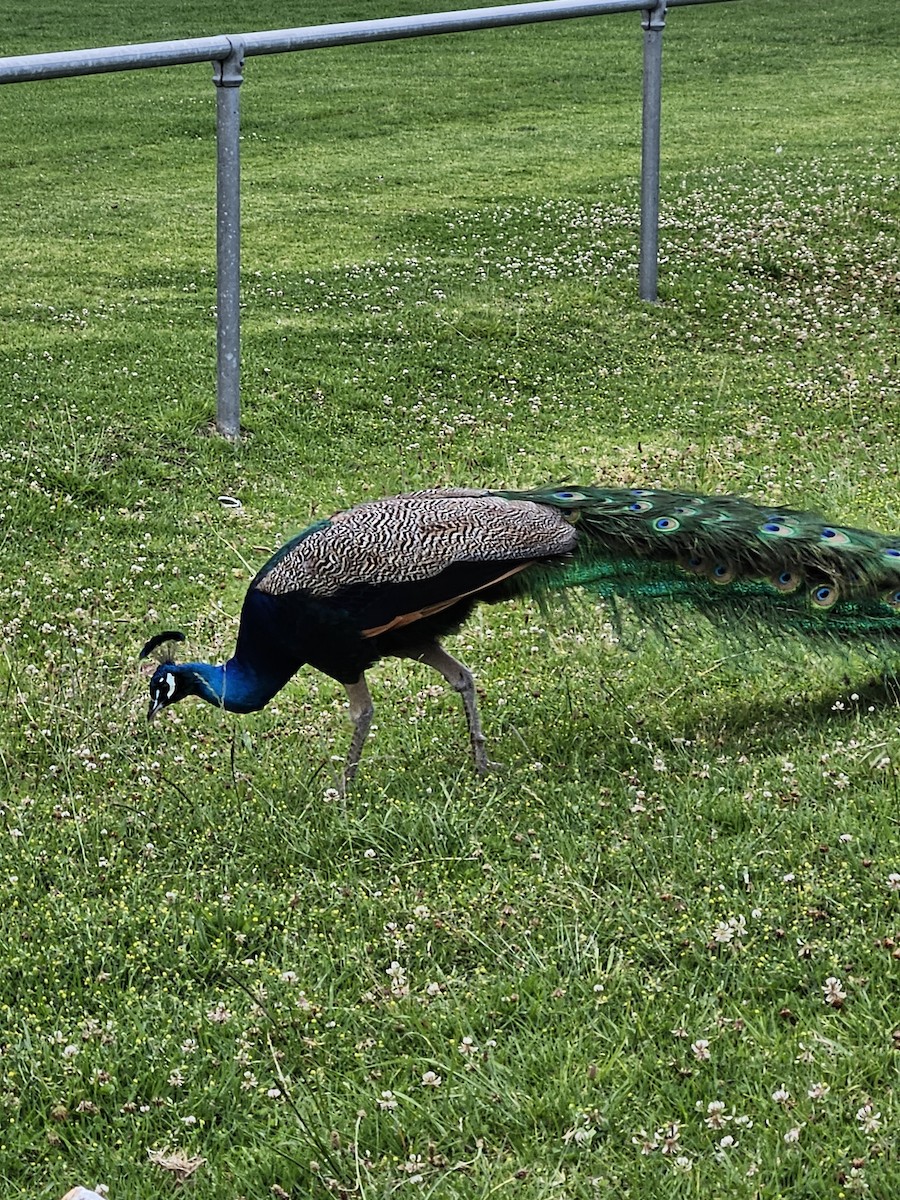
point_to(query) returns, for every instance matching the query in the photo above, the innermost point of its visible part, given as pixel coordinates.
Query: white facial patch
(169, 680)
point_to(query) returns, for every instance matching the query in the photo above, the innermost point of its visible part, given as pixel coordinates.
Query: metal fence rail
(227, 54)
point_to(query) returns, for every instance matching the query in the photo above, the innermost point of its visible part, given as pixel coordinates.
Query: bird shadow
(781, 724)
(746, 723)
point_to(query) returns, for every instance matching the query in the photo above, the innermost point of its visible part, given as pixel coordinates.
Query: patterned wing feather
(416, 537)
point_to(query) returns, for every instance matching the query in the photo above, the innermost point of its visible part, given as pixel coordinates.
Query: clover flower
(834, 992)
(700, 1049)
(869, 1121)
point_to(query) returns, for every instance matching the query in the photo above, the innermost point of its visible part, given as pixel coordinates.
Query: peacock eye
(836, 537)
(787, 581)
(722, 572)
(824, 596)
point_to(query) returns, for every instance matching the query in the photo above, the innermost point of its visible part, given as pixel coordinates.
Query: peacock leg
(461, 680)
(361, 710)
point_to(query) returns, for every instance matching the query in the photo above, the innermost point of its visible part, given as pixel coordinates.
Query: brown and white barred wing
(416, 536)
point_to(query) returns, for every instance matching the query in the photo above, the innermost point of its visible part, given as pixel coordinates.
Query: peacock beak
(155, 705)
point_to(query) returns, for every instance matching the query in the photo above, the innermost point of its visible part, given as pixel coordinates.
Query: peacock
(392, 577)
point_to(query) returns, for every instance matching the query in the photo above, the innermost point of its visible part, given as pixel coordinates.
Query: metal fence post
(653, 22)
(228, 76)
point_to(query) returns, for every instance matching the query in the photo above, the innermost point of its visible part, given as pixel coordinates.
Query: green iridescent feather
(727, 558)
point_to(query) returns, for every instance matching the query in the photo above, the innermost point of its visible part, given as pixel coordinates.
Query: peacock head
(170, 682)
(173, 681)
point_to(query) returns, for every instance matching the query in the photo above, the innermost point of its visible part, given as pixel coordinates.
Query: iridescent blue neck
(232, 686)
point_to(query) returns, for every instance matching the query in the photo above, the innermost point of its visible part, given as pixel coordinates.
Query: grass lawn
(657, 954)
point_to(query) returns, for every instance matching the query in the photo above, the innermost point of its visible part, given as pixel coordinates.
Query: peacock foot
(487, 766)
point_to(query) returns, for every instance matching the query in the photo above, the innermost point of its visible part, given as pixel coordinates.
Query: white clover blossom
(668, 1136)
(399, 982)
(716, 1116)
(834, 992)
(869, 1120)
(730, 931)
(643, 1139)
(582, 1132)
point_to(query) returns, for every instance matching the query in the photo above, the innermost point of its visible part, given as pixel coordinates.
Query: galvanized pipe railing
(227, 53)
(29, 67)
